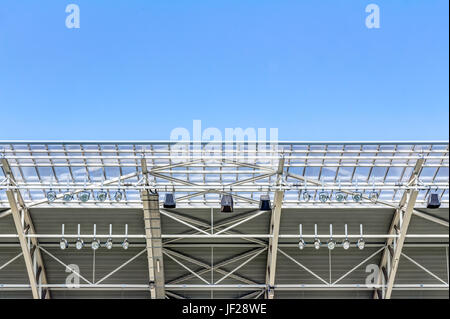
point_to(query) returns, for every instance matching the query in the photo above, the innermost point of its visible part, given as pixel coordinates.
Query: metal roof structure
(372, 192)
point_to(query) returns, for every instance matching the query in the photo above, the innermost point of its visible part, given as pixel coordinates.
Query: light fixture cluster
(339, 196)
(84, 196)
(331, 243)
(95, 244)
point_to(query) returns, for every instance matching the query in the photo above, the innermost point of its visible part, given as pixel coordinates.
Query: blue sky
(138, 69)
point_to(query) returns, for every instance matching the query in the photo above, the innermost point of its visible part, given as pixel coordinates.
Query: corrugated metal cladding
(328, 266)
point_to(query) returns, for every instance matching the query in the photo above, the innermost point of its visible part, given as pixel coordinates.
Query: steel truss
(401, 173)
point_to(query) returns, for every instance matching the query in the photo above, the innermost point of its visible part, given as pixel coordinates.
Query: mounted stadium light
(95, 242)
(51, 196)
(68, 196)
(361, 243)
(301, 243)
(125, 243)
(357, 195)
(226, 203)
(306, 196)
(373, 196)
(264, 203)
(331, 243)
(323, 196)
(84, 196)
(102, 195)
(340, 196)
(109, 242)
(346, 242)
(63, 244)
(433, 201)
(316, 239)
(169, 201)
(79, 243)
(118, 195)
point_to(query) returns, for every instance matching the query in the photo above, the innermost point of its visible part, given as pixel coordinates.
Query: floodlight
(346, 244)
(331, 244)
(306, 196)
(63, 244)
(84, 196)
(340, 196)
(79, 244)
(51, 196)
(95, 244)
(361, 244)
(323, 196)
(118, 196)
(317, 243)
(125, 244)
(109, 244)
(301, 244)
(101, 196)
(357, 196)
(373, 196)
(67, 197)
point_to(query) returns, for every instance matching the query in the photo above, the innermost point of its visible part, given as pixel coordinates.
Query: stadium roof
(194, 250)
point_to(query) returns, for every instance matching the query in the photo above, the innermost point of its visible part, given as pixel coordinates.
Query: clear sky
(138, 69)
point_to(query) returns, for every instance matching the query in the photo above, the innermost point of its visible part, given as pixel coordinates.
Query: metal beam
(400, 222)
(152, 221)
(24, 226)
(274, 230)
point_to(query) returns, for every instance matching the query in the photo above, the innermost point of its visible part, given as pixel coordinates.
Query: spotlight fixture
(109, 244)
(63, 243)
(316, 238)
(306, 196)
(264, 203)
(84, 196)
(101, 196)
(317, 243)
(125, 243)
(51, 196)
(118, 196)
(323, 196)
(433, 201)
(346, 242)
(68, 196)
(95, 244)
(226, 203)
(331, 243)
(357, 196)
(169, 201)
(373, 196)
(301, 243)
(361, 244)
(79, 244)
(340, 196)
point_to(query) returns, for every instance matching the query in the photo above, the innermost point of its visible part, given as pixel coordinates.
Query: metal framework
(294, 174)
